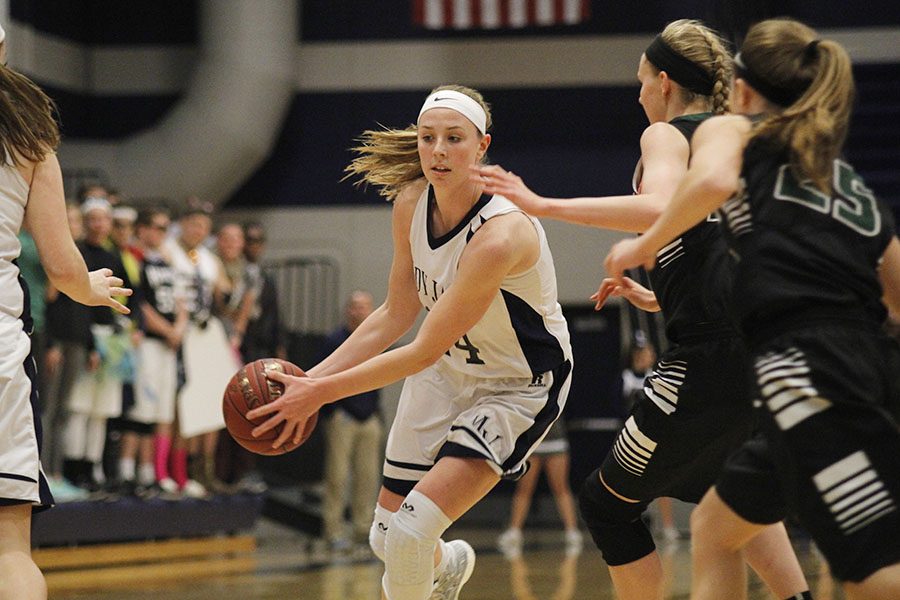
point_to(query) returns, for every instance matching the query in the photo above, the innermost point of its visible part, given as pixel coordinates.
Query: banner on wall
(499, 14)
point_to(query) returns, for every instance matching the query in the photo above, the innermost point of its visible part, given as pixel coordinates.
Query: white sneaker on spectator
(168, 485)
(193, 489)
(460, 563)
(510, 543)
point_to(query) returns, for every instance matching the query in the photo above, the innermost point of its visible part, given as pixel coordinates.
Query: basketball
(249, 388)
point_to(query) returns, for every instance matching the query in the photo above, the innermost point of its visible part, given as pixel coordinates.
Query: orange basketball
(250, 388)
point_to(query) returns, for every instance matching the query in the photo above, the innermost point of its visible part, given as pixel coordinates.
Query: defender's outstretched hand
(495, 180)
(626, 288)
(628, 254)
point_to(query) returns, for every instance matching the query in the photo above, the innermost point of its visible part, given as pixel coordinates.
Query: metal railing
(308, 289)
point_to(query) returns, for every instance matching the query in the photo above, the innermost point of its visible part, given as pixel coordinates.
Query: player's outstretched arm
(664, 152)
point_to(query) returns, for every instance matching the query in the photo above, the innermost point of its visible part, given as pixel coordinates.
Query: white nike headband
(459, 102)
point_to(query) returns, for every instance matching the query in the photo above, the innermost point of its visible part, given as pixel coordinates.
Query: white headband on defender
(459, 102)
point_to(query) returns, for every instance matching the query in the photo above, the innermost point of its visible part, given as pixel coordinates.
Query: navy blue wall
(565, 141)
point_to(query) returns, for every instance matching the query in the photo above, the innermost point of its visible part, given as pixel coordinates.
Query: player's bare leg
(639, 580)
(718, 537)
(883, 583)
(20, 578)
(771, 555)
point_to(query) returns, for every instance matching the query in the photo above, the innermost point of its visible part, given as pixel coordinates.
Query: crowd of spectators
(118, 414)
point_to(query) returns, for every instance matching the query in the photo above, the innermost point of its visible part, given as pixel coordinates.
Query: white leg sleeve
(412, 535)
(379, 530)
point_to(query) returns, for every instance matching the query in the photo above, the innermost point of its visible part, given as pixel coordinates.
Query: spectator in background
(164, 320)
(353, 434)
(262, 339)
(121, 239)
(259, 318)
(205, 353)
(641, 360)
(97, 395)
(233, 302)
(264, 336)
(235, 297)
(125, 434)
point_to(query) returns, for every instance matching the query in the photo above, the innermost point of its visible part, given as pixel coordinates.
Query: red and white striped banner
(499, 14)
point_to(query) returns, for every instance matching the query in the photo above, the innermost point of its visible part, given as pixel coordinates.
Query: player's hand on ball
(295, 406)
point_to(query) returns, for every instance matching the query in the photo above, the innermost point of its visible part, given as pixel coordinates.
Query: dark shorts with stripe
(829, 398)
(694, 412)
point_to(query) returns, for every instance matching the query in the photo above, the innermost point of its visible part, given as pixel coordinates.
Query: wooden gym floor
(278, 563)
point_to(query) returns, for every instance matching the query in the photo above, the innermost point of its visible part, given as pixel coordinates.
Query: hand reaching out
(495, 180)
(626, 288)
(628, 254)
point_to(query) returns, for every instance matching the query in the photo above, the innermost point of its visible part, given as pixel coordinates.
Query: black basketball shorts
(827, 399)
(694, 411)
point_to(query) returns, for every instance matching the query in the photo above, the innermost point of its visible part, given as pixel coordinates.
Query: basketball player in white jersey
(31, 190)
(489, 370)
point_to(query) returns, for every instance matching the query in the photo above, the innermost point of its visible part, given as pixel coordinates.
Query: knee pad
(409, 545)
(379, 530)
(615, 525)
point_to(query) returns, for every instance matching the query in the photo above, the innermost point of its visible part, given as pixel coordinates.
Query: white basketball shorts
(444, 413)
(156, 382)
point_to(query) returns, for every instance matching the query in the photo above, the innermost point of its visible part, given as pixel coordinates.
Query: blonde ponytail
(788, 56)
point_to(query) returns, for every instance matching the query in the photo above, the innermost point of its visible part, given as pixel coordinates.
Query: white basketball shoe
(460, 563)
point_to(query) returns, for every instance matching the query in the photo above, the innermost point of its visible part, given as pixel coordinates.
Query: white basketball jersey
(523, 333)
(13, 198)
(195, 276)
